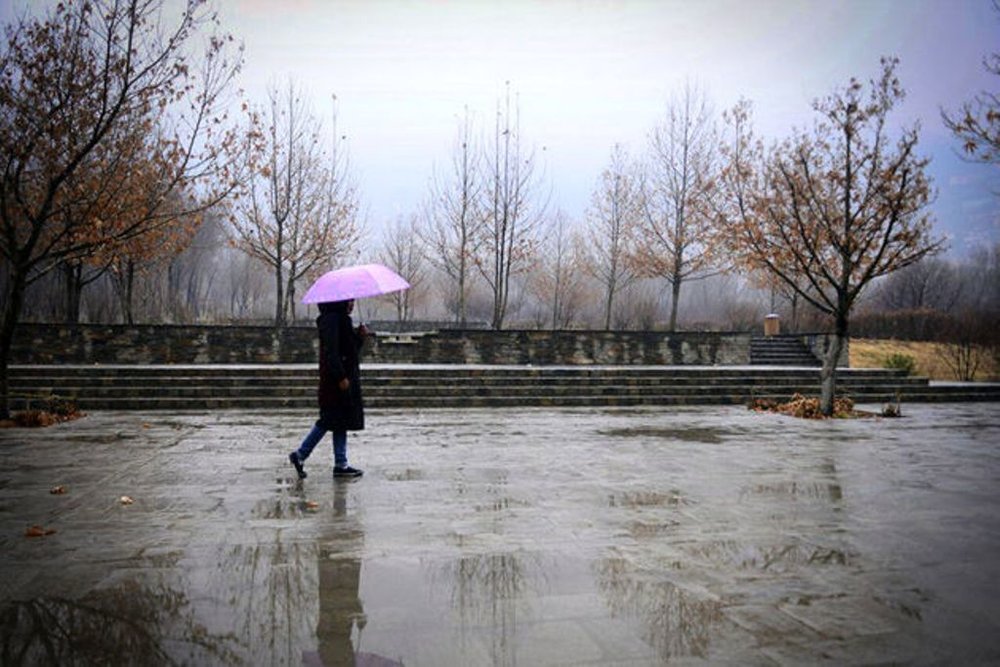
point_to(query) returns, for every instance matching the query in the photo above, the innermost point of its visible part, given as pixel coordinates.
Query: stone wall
(568, 347)
(161, 344)
(170, 344)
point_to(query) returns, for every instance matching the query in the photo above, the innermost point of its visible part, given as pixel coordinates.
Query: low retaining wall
(178, 344)
(567, 347)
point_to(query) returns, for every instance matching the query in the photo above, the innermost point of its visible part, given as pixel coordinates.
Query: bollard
(772, 325)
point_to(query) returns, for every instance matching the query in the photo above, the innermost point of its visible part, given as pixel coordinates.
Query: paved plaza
(698, 535)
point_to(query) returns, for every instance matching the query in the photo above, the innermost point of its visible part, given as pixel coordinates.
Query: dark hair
(328, 307)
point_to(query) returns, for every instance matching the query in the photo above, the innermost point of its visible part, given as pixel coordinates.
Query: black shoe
(297, 462)
(347, 471)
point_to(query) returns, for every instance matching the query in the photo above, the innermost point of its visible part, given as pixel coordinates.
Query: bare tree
(931, 283)
(678, 190)
(244, 286)
(840, 205)
(614, 214)
(558, 278)
(455, 217)
(85, 91)
(401, 250)
(192, 276)
(513, 212)
(297, 210)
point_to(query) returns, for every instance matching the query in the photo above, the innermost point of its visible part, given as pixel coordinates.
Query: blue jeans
(339, 445)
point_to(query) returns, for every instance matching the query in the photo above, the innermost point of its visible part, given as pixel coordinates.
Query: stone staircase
(263, 387)
(781, 351)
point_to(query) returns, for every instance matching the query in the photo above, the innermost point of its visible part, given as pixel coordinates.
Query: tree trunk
(290, 295)
(675, 297)
(462, 317)
(128, 292)
(828, 374)
(8, 323)
(279, 306)
(74, 291)
(608, 303)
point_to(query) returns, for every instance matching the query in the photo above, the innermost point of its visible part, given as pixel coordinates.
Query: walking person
(340, 402)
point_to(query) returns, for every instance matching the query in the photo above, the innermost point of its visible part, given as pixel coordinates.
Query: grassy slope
(872, 353)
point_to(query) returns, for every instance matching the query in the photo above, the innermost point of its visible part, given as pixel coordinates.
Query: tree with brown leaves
(829, 210)
(86, 89)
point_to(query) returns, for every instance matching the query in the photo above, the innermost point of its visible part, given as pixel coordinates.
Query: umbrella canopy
(354, 282)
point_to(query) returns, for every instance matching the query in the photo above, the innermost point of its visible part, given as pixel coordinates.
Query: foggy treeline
(210, 282)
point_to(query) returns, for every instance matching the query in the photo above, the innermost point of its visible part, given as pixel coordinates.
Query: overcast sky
(590, 74)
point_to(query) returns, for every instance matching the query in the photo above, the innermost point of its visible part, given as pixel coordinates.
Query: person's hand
(344, 384)
(364, 331)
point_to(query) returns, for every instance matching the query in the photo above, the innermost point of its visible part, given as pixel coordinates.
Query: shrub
(900, 362)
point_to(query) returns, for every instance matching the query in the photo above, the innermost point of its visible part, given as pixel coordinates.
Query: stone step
(95, 394)
(389, 373)
(499, 400)
(74, 385)
(781, 350)
(402, 386)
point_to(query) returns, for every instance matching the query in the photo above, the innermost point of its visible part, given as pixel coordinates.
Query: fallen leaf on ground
(126, 500)
(312, 505)
(38, 531)
(57, 490)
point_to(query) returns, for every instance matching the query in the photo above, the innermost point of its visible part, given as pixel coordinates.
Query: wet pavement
(505, 537)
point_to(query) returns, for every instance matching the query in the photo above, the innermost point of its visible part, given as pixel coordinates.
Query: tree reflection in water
(486, 591)
(127, 625)
(675, 623)
(487, 588)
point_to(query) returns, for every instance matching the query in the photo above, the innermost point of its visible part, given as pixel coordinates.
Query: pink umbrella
(354, 282)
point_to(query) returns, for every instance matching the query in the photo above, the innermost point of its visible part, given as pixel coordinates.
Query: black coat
(339, 358)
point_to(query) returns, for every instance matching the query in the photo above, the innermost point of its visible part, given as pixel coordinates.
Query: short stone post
(772, 324)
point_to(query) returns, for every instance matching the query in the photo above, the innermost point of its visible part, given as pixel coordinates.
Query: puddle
(125, 624)
(676, 622)
(811, 490)
(771, 557)
(710, 436)
(636, 499)
(641, 530)
(407, 475)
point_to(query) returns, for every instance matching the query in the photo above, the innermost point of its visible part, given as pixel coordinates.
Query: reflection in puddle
(641, 530)
(811, 490)
(710, 436)
(674, 622)
(407, 475)
(774, 558)
(635, 499)
(489, 591)
(128, 624)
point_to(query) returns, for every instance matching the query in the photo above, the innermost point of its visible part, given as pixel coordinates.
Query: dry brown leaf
(126, 500)
(58, 490)
(38, 531)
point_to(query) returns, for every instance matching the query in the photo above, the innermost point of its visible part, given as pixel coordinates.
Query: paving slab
(696, 535)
